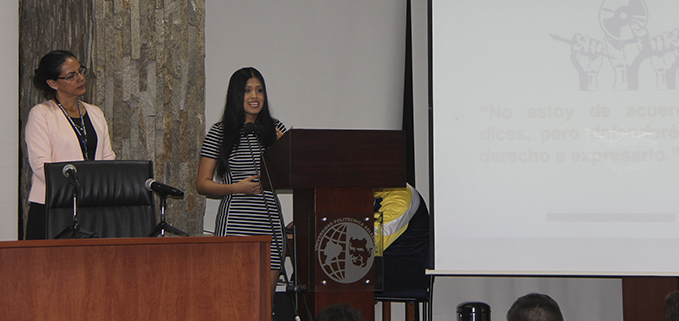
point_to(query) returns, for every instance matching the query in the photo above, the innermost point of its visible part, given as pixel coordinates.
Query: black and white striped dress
(245, 214)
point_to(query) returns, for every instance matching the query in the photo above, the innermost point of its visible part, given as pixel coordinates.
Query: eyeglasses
(82, 71)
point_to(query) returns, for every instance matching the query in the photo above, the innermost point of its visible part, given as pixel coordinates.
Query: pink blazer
(50, 138)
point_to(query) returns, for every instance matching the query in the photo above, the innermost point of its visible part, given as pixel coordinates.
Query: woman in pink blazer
(61, 129)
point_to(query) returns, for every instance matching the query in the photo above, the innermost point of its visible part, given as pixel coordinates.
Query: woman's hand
(279, 133)
(206, 186)
(247, 186)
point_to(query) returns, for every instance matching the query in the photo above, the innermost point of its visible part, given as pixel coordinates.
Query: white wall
(9, 135)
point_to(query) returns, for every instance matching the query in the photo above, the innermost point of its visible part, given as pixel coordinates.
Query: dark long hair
(50, 68)
(233, 118)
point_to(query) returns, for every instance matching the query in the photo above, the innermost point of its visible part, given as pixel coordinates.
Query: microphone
(162, 189)
(249, 128)
(70, 172)
(259, 130)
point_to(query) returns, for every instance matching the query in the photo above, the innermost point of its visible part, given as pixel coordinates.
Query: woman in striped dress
(230, 162)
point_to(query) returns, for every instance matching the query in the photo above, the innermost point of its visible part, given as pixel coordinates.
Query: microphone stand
(294, 288)
(74, 231)
(162, 226)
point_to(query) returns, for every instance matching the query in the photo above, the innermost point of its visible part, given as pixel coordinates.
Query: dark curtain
(407, 125)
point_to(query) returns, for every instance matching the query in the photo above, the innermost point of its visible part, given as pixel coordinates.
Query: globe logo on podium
(345, 250)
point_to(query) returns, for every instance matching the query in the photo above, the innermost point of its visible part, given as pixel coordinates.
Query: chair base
(412, 307)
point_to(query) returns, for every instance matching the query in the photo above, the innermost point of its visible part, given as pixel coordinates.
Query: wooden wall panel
(189, 278)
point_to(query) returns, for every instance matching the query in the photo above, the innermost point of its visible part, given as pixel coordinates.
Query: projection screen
(555, 137)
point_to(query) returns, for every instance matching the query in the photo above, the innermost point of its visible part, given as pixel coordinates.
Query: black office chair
(112, 202)
(415, 287)
(412, 299)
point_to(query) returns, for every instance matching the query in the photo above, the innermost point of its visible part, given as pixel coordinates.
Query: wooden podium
(187, 278)
(332, 174)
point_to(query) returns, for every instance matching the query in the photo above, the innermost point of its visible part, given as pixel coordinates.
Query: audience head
(339, 312)
(672, 306)
(534, 307)
(49, 68)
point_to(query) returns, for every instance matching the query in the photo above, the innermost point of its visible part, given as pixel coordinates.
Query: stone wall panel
(148, 76)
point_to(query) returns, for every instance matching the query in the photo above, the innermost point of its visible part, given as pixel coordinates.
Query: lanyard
(82, 135)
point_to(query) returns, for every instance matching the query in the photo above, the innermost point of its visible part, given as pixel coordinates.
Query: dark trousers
(36, 226)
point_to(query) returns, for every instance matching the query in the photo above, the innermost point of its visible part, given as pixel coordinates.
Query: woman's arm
(38, 141)
(205, 185)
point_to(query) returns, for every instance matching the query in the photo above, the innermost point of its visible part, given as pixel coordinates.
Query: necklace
(80, 130)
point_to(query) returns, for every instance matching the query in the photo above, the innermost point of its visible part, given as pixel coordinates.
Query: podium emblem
(345, 250)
